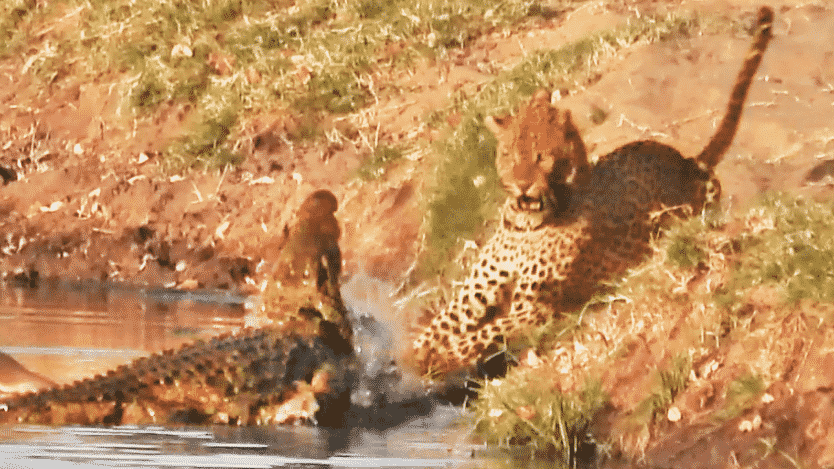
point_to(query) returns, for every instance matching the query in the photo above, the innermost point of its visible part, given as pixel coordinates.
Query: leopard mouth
(530, 204)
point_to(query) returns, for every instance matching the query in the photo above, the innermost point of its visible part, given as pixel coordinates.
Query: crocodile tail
(717, 146)
(201, 360)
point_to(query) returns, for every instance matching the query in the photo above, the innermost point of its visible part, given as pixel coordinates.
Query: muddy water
(429, 442)
(67, 331)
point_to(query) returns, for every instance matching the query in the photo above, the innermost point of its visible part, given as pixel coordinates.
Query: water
(70, 330)
(66, 331)
(435, 441)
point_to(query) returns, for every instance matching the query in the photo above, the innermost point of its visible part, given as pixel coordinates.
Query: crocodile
(301, 368)
(256, 376)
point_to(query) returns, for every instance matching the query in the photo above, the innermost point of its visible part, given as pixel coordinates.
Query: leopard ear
(567, 122)
(497, 124)
(577, 145)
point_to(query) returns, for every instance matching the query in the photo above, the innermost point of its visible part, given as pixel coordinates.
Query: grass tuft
(13, 16)
(527, 408)
(375, 166)
(207, 145)
(790, 247)
(668, 384)
(336, 91)
(742, 393)
(683, 252)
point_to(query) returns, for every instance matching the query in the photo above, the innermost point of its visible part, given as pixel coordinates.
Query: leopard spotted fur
(567, 225)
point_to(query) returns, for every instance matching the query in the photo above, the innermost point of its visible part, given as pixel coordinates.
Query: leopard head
(311, 246)
(540, 153)
(320, 204)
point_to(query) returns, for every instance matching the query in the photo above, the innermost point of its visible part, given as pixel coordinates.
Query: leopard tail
(717, 146)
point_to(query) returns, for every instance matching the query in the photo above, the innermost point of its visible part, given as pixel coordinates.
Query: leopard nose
(523, 187)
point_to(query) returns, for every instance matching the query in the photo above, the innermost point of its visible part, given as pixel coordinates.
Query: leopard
(569, 226)
(311, 246)
(306, 265)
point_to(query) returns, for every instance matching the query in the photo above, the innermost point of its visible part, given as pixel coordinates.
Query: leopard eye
(539, 157)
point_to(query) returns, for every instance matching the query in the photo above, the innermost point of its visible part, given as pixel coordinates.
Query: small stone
(674, 414)
(53, 207)
(181, 50)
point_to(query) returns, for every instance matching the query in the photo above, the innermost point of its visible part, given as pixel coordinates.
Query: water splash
(386, 393)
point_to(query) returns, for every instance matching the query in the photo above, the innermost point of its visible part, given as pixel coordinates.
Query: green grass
(684, 252)
(788, 245)
(375, 166)
(466, 193)
(793, 252)
(668, 383)
(14, 16)
(742, 393)
(207, 145)
(313, 57)
(527, 408)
